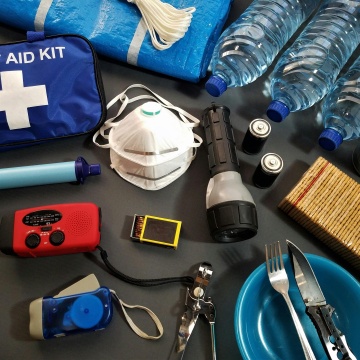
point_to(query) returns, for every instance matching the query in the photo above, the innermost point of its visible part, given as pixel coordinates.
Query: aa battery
(256, 136)
(268, 170)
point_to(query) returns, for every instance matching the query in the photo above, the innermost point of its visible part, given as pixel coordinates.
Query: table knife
(319, 311)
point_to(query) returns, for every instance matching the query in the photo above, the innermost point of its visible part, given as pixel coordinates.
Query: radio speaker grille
(79, 223)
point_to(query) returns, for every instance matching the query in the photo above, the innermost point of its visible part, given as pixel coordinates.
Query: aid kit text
(49, 53)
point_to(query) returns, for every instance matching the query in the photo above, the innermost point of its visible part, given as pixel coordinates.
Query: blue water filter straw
(70, 171)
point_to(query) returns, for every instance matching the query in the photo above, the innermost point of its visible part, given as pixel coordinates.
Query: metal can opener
(195, 305)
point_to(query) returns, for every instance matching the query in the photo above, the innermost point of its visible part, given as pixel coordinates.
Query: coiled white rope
(165, 23)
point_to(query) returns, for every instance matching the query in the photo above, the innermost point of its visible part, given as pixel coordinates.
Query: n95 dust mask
(151, 147)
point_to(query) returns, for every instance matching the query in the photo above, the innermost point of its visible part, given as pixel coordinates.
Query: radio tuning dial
(32, 241)
(57, 238)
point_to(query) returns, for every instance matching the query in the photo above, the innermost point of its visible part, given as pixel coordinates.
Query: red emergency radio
(51, 230)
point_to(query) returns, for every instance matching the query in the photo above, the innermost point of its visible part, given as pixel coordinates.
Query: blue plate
(263, 324)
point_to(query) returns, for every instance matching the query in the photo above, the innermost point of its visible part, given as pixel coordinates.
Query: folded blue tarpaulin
(115, 29)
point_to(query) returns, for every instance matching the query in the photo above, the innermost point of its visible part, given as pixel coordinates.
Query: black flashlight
(231, 211)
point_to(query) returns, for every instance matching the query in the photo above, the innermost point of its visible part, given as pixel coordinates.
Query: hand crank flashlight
(231, 211)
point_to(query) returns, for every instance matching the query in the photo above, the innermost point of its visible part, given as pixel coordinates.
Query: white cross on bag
(15, 99)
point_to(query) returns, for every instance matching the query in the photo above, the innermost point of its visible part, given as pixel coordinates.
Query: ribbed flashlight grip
(220, 140)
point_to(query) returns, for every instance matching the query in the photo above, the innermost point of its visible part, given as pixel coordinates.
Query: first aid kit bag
(50, 88)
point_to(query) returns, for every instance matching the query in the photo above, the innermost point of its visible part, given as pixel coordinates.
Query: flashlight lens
(232, 221)
(234, 235)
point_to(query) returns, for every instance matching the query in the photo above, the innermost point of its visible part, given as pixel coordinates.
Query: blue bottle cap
(83, 169)
(86, 311)
(277, 111)
(330, 139)
(215, 86)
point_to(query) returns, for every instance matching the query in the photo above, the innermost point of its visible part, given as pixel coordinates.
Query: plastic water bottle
(341, 110)
(249, 45)
(307, 70)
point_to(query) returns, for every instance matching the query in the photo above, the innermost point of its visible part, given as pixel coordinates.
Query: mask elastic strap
(125, 100)
(134, 327)
(184, 115)
(199, 141)
(109, 123)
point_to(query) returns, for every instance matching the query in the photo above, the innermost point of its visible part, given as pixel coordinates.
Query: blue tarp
(113, 26)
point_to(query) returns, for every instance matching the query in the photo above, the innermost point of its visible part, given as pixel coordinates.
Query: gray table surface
(23, 280)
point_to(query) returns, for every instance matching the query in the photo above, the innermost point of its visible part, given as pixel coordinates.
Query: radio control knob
(57, 238)
(32, 241)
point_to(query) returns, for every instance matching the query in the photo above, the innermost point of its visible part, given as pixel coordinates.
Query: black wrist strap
(186, 280)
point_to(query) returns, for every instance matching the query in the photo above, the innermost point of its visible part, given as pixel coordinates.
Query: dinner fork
(280, 282)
